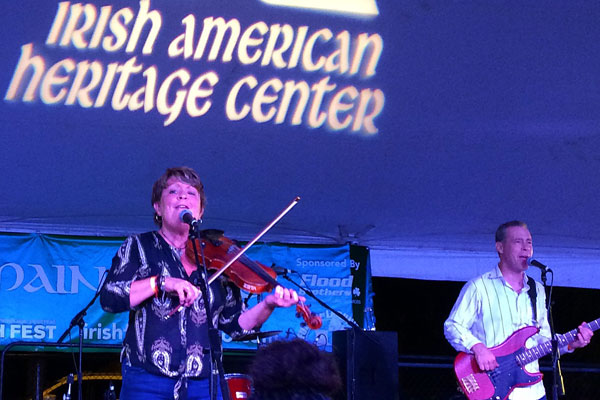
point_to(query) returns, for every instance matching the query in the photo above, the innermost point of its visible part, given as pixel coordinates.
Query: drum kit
(258, 336)
(240, 385)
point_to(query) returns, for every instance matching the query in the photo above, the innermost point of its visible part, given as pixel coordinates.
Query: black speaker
(369, 362)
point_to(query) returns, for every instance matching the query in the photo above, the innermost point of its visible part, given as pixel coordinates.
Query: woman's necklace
(171, 242)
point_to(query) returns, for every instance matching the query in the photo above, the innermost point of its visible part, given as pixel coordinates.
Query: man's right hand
(484, 357)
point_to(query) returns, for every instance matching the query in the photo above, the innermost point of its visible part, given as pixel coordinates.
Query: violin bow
(250, 243)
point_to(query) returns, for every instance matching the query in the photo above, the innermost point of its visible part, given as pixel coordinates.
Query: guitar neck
(532, 354)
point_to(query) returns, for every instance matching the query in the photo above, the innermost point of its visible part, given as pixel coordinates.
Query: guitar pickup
(470, 383)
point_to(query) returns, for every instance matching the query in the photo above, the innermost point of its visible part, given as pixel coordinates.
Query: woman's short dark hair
(184, 174)
(501, 231)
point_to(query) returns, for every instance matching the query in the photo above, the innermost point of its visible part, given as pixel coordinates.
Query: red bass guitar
(512, 357)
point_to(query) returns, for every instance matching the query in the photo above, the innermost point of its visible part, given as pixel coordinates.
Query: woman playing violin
(165, 354)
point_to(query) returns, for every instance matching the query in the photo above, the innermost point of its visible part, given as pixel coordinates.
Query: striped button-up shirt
(488, 310)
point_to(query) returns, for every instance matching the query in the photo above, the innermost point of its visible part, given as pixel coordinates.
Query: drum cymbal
(256, 336)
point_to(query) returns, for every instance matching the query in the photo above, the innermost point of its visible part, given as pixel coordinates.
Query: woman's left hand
(283, 297)
(257, 315)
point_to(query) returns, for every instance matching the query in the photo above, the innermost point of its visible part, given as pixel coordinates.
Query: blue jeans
(139, 384)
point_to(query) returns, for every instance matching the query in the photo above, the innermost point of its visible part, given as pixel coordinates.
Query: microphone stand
(558, 386)
(214, 338)
(79, 321)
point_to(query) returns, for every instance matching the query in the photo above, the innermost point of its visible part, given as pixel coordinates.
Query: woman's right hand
(142, 290)
(186, 292)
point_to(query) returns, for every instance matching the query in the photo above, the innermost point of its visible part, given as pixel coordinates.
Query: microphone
(187, 217)
(70, 380)
(111, 395)
(282, 271)
(535, 263)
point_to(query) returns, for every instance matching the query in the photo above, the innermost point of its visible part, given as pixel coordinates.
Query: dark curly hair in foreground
(294, 370)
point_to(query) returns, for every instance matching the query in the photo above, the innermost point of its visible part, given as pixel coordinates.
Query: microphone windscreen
(186, 216)
(530, 261)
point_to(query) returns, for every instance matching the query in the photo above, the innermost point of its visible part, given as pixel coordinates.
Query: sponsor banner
(325, 271)
(45, 280)
(362, 293)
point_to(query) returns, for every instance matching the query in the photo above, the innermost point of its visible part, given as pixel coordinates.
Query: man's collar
(497, 274)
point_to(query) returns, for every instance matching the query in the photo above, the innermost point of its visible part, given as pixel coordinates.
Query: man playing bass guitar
(491, 307)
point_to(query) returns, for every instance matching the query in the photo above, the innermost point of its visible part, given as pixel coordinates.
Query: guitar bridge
(470, 383)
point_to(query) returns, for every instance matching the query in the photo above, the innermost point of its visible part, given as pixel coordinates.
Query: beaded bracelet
(161, 282)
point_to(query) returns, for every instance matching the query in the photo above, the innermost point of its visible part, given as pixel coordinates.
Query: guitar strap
(532, 296)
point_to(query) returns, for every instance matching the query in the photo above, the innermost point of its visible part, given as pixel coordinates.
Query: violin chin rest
(214, 235)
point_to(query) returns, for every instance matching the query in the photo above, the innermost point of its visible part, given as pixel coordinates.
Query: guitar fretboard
(532, 354)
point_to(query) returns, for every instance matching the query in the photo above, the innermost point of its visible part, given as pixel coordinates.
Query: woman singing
(166, 354)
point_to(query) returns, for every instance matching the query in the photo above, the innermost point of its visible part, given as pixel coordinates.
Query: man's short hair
(501, 231)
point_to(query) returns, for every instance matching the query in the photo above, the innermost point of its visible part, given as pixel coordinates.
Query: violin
(247, 274)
